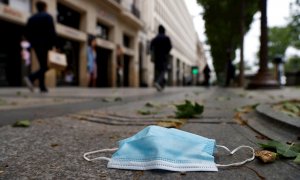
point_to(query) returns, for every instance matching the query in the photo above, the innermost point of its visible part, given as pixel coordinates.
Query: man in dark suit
(160, 48)
(40, 32)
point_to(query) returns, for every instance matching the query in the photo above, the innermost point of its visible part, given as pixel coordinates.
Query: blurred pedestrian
(120, 66)
(160, 48)
(92, 61)
(230, 75)
(206, 72)
(40, 32)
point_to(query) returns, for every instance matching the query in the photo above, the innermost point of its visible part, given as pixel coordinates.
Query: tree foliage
(292, 64)
(279, 40)
(222, 27)
(294, 23)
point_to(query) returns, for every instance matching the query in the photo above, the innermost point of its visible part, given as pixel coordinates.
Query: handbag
(57, 60)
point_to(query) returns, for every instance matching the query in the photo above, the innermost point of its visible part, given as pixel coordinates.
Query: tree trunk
(263, 63)
(263, 79)
(241, 75)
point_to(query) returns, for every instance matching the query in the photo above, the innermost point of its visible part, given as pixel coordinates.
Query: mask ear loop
(98, 151)
(235, 150)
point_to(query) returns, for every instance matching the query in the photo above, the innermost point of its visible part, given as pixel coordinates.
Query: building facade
(187, 49)
(125, 26)
(114, 23)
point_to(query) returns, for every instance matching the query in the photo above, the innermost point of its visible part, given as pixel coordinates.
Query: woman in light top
(92, 61)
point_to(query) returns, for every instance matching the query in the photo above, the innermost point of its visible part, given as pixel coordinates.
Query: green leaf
(188, 110)
(198, 108)
(297, 160)
(146, 112)
(296, 148)
(285, 150)
(270, 144)
(150, 105)
(291, 107)
(22, 123)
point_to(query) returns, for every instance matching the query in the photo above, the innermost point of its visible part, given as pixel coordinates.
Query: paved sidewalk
(91, 119)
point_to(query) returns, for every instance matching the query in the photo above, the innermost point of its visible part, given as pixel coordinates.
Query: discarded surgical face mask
(170, 149)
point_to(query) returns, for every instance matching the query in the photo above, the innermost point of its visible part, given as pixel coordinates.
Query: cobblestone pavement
(70, 121)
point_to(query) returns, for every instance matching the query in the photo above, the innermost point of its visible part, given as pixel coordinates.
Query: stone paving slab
(271, 128)
(9, 103)
(267, 110)
(53, 149)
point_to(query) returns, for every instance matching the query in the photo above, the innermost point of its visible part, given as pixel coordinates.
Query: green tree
(294, 23)
(279, 39)
(292, 64)
(222, 27)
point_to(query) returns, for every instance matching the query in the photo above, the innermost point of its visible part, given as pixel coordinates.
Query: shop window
(68, 16)
(22, 5)
(102, 31)
(127, 41)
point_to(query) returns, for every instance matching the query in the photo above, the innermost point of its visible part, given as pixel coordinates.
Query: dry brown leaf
(54, 145)
(261, 137)
(171, 123)
(266, 156)
(238, 118)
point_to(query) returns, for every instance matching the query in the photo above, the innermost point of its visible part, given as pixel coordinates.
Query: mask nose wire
(98, 151)
(235, 150)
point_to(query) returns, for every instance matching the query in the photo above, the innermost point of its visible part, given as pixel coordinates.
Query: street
(67, 122)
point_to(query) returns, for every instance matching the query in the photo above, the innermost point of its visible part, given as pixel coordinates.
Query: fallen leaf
(116, 99)
(262, 137)
(266, 156)
(175, 123)
(182, 173)
(223, 98)
(22, 123)
(297, 160)
(238, 118)
(146, 112)
(188, 110)
(282, 149)
(290, 108)
(1, 172)
(13, 103)
(247, 109)
(150, 105)
(54, 145)
(114, 137)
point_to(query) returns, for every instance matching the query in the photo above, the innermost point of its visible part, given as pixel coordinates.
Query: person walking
(40, 32)
(92, 61)
(206, 72)
(160, 48)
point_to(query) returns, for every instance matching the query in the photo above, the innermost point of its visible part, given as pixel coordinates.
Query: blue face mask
(170, 149)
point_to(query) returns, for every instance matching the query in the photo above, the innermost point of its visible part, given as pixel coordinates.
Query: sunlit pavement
(67, 122)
